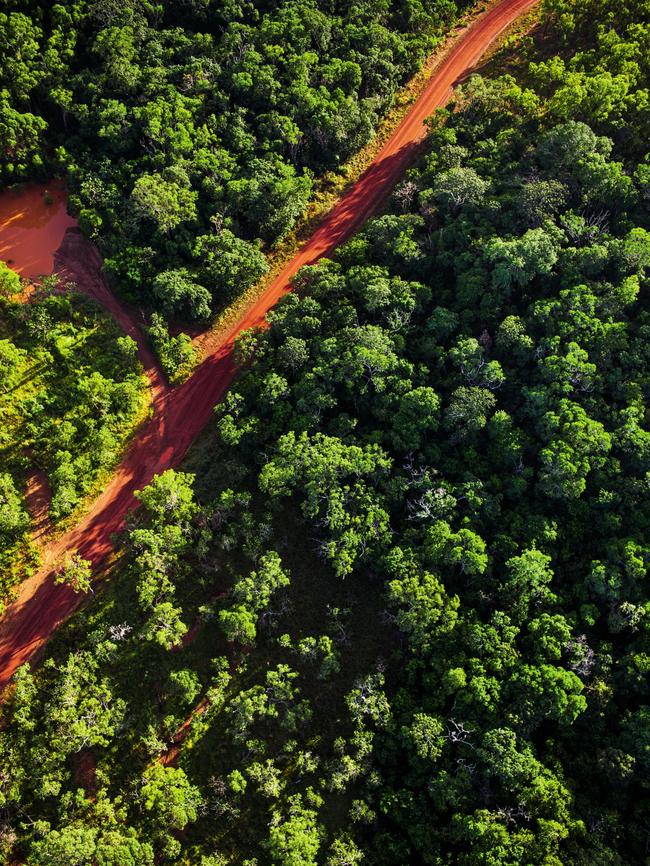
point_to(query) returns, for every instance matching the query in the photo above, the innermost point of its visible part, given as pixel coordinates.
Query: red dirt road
(181, 414)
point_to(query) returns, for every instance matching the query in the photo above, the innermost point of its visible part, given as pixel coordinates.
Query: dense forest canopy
(414, 541)
(191, 132)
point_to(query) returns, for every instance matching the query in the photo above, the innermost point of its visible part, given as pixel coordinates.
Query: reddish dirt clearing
(33, 222)
(181, 415)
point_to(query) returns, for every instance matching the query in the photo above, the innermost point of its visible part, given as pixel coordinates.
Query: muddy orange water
(33, 220)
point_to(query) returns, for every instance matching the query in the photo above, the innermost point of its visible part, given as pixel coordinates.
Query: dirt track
(78, 261)
(181, 414)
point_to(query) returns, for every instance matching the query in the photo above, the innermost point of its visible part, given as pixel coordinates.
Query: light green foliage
(71, 392)
(165, 202)
(424, 611)
(82, 706)
(467, 412)
(86, 846)
(325, 463)
(14, 520)
(425, 736)
(165, 531)
(169, 498)
(228, 264)
(177, 354)
(527, 584)
(76, 572)
(177, 292)
(470, 358)
(250, 596)
(344, 852)
(294, 840)
(578, 444)
(238, 624)
(168, 798)
(458, 187)
(417, 418)
(519, 260)
(9, 281)
(74, 846)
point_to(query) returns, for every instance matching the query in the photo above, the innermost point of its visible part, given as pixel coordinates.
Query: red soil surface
(170, 757)
(180, 415)
(84, 772)
(38, 496)
(33, 221)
